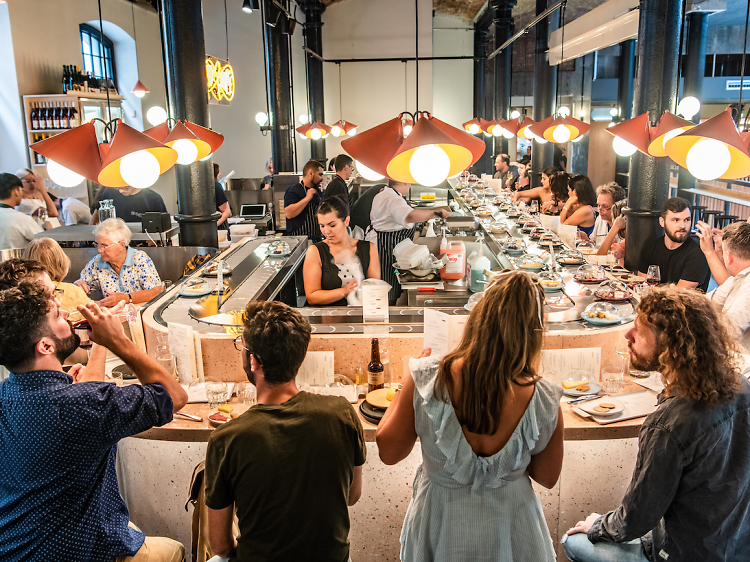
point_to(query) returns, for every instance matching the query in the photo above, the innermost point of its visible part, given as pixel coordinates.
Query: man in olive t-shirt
(292, 464)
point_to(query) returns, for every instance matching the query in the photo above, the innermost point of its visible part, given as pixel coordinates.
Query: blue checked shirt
(138, 273)
(59, 498)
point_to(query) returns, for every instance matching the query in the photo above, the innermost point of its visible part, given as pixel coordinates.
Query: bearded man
(679, 258)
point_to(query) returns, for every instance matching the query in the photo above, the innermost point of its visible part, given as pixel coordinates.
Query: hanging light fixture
(317, 131)
(689, 107)
(515, 114)
(374, 148)
(341, 127)
(189, 147)
(510, 128)
(302, 129)
(473, 127)
(71, 156)
(156, 115)
(495, 128)
(249, 5)
(669, 126)
(134, 159)
(631, 135)
(139, 90)
(485, 125)
(523, 129)
(214, 139)
(712, 150)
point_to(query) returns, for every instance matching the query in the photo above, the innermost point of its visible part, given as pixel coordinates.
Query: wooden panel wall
(601, 155)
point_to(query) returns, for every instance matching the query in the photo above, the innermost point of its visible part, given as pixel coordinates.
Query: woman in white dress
(36, 201)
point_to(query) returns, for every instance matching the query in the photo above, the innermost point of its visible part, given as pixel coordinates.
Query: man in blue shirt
(59, 498)
(301, 201)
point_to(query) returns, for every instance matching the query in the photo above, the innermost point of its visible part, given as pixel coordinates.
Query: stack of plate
(374, 405)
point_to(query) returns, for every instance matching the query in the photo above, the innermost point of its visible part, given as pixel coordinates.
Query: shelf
(37, 131)
(94, 95)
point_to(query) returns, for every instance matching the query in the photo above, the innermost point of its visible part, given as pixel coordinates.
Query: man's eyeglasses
(239, 345)
(102, 247)
(604, 207)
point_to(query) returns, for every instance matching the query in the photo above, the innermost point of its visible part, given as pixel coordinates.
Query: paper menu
(182, 346)
(375, 302)
(567, 234)
(442, 332)
(549, 222)
(316, 369)
(555, 363)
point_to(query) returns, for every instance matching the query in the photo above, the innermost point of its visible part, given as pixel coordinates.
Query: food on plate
(572, 384)
(550, 283)
(615, 295)
(583, 388)
(391, 394)
(195, 289)
(600, 314)
(218, 417)
(226, 408)
(607, 405)
(234, 415)
(601, 409)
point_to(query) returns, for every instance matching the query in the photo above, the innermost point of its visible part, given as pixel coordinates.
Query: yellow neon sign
(220, 79)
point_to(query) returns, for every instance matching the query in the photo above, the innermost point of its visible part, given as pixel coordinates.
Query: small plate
(205, 289)
(541, 267)
(594, 389)
(211, 271)
(589, 281)
(270, 254)
(589, 406)
(553, 289)
(562, 261)
(612, 299)
(601, 321)
(378, 398)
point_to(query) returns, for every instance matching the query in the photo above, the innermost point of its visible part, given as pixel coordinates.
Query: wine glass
(654, 275)
(534, 207)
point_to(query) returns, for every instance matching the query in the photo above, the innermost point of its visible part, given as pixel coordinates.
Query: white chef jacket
(388, 213)
(16, 229)
(734, 298)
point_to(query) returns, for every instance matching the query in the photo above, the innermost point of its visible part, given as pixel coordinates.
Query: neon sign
(220, 80)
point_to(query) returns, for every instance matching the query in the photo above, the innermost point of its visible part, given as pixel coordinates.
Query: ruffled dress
(466, 507)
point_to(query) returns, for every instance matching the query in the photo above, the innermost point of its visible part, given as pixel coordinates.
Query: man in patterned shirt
(59, 498)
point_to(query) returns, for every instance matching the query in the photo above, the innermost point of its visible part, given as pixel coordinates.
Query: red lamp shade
(214, 139)
(375, 147)
(77, 150)
(560, 129)
(473, 127)
(317, 130)
(634, 131)
(158, 133)
(523, 128)
(181, 133)
(341, 128)
(302, 129)
(712, 150)
(139, 89)
(668, 125)
(511, 126)
(475, 145)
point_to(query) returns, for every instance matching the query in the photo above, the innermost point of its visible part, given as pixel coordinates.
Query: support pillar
(503, 22)
(182, 33)
(480, 38)
(625, 83)
(279, 89)
(315, 97)
(545, 91)
(579, 151)
(655, 91)
(695, 68)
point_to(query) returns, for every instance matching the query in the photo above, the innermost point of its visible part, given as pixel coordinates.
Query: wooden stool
(695, 212)
(710, 216)
(720, 221)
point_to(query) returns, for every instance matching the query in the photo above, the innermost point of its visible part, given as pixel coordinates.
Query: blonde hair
(49, 253)
(115, 229)
(613, 189)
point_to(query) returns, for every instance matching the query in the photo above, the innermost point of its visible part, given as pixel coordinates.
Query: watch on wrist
(130, 298)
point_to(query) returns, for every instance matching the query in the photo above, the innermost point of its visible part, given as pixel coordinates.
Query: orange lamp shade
(214, 139)
(427, 135)
(495, 128)
(128, 141)
(726, 148)
(302, 129)
(473, 127)
(511, 125)
(77, 150)
(668, 123)
(560, 129)
(317, 130)
(523, 128)
(635, 131)
(158, 133)
(475, 145)
(341, 128)
(181, 132)
(375, 147)
(139, 89)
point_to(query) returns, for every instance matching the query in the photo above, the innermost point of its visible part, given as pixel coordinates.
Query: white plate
(588, 407)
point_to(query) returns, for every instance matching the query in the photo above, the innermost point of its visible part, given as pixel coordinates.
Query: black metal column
(579, 151)
(314, 40)
(695, 68)
(279, 88)
(625, 83)
(545, 91)
(182, 33)
(655, 91)
(503, 22)
(480, 38)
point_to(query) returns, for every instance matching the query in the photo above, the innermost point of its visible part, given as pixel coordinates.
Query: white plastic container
(478, 262)
(456, 268)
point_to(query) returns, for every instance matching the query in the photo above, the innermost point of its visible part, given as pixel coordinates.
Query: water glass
(247, 394)
(612, 377)
(117, 377)
(216, 394)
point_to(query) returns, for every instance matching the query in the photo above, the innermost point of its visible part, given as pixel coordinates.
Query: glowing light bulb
(336, 131)
(407, 130)
(708, 159)
(515, 114)
(582, 113)
(563, 111)
(577, 139)
(561, 133)
(688, 107)
(261, 118)
(486, 134)
(367, 173)
(207, 157)
(613, 112)
(429, 165)
(139, 93)
(61, 175)
(496, 130)
(623, 147)
(156, 115)
(187, 152)
(529, 135)
(507, 134)
(670, 135)
(540, 140)
(140, 169)
(316, 134)
(353, 132)
(303, 119)
(473, 128)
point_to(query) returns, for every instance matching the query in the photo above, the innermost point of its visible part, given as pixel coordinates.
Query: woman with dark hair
(544, 192)
(579, 209)
(559, 189)
(334, 267)
(488, 424)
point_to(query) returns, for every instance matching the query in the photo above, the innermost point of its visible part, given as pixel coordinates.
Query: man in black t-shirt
(301, 200)
(337, 188)
(130, 203)
(222, 203)
(292, 464)
(679, 258)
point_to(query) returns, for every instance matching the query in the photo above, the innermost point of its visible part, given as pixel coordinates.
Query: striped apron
(386, 242)
(310, 227)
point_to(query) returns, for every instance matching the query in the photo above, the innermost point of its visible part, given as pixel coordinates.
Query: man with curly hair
(689, 498)
(59, 498)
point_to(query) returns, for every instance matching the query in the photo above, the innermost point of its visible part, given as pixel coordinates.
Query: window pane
(95, 46)
(85, 43)
(98, 67)
(88, 65)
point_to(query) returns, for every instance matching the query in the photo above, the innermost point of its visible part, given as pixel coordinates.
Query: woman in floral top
(120, 272)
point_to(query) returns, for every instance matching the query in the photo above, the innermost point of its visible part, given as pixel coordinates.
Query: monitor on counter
(257, 211)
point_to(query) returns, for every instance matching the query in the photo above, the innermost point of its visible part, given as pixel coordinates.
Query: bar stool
(709, 217)
(720, 221)
(695, 212)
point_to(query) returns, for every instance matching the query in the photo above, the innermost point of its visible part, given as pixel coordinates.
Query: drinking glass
(534, 207)
(117, 377)
(247, 393)
(612, 377)
(654, 275)
(216, 394)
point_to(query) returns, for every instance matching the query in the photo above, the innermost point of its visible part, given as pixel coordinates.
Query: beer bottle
(375, 378)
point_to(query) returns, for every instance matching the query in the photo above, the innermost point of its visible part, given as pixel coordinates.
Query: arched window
(98, 51)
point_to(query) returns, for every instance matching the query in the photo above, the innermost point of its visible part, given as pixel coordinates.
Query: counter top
(85, 233)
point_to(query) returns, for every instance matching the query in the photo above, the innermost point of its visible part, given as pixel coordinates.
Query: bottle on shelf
(34, 117)
(375, 368)
(65, 78)
(42, 113)
(56, 116)
(72, 116)
(49, 116)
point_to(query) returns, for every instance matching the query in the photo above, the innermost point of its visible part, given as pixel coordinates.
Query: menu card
(442, 332)
(375, 300)
(182, 346)
(556, 363)
(316, 369)
(549, 222)
(568, 234)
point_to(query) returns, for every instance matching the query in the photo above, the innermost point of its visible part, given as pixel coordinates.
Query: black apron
(310, 227)
(386, 242)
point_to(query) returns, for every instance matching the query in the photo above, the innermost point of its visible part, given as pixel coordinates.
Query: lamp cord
(226, 28)
(742, 71)
(135, 37)
(341, 103)
(416, 13)
(164, 58)
(562, 52)
(101, 39)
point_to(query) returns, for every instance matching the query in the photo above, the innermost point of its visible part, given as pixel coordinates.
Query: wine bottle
(48, 116)
(56, 116)
(42, 113)
(66, 72)
(34, 117)
(72, 116)
(375, 368)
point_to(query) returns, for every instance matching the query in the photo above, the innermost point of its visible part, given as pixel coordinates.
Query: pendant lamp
(71, 156)
(341, 128)
(139, 90)
(712, 150)
(631, 135)
(473, 127)
(302, 130)
(485, 125)
(317, 131)
(375, 147)
(510, 127)
(560, 129)
(158, 133)
(495, 128)
(476, 146)
(669, 126)
(134, 159)
(188, 146)
(214, 139)
(523, 129)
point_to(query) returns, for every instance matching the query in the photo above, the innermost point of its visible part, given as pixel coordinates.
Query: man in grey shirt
(689, 498)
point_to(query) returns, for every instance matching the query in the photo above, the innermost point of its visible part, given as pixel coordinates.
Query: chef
(392, 221)
(301, 201)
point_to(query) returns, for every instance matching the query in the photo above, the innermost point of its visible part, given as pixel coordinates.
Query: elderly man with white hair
(119, 272)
